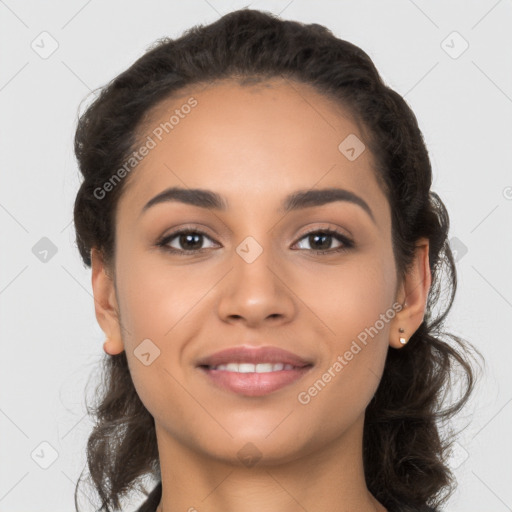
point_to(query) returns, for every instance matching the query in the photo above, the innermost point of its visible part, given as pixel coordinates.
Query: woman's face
(254, 277)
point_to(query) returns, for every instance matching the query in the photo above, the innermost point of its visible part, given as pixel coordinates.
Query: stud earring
(403, 341)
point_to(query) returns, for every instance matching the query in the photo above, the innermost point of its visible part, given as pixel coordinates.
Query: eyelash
(162, 243)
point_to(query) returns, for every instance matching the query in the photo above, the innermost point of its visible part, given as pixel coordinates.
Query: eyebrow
(295, 201)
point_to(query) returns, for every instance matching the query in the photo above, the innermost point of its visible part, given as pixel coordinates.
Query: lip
(254, 355)
(253, 383)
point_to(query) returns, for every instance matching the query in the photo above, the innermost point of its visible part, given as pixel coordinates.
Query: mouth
(254, 371)
(253, 368)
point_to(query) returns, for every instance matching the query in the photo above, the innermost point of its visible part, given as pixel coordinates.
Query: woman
(266, 255)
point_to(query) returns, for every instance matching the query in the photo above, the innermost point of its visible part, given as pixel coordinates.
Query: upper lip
(254, 355)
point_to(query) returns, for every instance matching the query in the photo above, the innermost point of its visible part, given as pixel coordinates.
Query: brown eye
(320, 241)
(184, 241)
(187, 242)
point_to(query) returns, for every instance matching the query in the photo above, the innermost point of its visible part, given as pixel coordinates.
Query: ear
(412, 295)
(105, 303)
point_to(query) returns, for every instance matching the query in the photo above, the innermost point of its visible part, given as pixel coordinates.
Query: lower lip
(254, 384)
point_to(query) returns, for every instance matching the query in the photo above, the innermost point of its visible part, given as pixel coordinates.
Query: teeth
(252, 368)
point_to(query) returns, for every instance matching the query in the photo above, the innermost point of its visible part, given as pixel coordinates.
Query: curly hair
(405, 456)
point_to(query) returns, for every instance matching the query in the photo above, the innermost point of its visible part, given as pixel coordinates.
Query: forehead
(259, 140)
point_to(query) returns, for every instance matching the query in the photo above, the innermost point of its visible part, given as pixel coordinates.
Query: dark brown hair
(404, 453)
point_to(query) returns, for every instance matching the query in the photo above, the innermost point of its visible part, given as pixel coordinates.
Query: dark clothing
(156, 494)
(152, 500)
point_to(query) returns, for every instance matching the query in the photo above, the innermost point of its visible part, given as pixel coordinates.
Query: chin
(256, 449)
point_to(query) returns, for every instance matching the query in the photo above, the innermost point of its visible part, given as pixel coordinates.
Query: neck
(330, 479)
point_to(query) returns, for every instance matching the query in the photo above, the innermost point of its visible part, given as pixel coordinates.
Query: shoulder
(152, 500)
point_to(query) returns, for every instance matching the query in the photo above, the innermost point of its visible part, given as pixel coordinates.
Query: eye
(184, 241)
(188, 241)
(320, 241)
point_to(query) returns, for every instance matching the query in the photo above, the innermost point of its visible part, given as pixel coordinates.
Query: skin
(254, 145)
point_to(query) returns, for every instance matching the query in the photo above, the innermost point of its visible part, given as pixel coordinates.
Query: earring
(403, 341)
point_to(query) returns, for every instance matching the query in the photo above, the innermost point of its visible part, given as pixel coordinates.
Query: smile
(253, 380)
(252, 368)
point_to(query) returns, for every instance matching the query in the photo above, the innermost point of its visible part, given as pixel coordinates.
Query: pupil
(185, 240)
(317, 236)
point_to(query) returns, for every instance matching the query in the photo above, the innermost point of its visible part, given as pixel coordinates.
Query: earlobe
(413, 294)
(105, 303)
(112, 347)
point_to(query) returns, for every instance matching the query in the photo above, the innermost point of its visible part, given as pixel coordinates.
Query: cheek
(157, 299)
(357, 310)
(349, 297)
(157, 312)
(160, 306)
(353, 307)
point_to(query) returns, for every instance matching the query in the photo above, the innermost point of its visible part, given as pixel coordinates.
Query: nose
(257, 292)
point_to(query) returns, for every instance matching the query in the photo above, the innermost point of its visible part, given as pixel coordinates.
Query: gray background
(50, 342)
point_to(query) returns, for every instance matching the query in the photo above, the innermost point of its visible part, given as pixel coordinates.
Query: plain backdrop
(451, 61)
